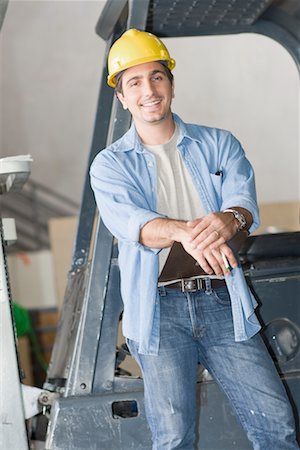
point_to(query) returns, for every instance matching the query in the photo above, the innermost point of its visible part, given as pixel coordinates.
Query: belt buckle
(201, 283)
(192, 285)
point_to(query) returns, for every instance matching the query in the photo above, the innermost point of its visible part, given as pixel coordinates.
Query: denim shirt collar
(131, 140)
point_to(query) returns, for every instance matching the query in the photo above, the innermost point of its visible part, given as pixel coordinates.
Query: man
(166, 181)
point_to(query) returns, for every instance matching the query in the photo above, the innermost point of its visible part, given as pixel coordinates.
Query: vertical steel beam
(67, 335)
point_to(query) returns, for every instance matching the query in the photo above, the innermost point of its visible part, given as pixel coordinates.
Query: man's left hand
(208, 241)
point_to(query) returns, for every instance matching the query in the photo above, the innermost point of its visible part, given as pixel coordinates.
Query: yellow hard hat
(135, 47)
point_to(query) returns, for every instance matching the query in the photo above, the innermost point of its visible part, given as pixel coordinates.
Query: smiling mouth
(151, 104)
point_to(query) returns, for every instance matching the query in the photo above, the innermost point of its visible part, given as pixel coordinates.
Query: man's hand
(204, 239)
(216, 227)
(208, 242)
(214, 260)
(212, 230)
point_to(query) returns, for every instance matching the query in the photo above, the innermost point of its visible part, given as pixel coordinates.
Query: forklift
(87, 401)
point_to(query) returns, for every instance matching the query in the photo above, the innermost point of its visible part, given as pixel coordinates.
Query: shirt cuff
(136, 223)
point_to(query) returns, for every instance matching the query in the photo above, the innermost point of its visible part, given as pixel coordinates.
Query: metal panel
(65, 342)
(276, 285)
(191, 18)
(89, 423)
(106, 358)
(82, 368)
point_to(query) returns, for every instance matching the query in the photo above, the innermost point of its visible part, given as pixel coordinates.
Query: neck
(157, 133)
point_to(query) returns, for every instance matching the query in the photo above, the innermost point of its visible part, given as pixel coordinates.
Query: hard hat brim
(111, 79)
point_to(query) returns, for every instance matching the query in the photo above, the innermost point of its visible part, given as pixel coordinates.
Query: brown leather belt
(193, 285)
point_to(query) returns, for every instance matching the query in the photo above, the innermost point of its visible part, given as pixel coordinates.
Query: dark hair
(118, 77)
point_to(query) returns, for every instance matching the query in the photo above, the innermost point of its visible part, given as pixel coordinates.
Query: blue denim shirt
(123, 177)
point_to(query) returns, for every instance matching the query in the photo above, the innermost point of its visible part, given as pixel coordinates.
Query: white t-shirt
(177, 197)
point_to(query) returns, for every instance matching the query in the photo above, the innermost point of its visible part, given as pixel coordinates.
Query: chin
(155, 118)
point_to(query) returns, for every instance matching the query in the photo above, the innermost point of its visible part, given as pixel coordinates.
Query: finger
(212, 223)
(203, 263)
(229, 256)
(210, 237)
(215, 261)
(198, 225)
(209, 223)
(193, 223)
(223, 262)
(195, 228)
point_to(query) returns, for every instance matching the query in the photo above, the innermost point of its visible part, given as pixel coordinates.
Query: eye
(134, 83)
(157, 78)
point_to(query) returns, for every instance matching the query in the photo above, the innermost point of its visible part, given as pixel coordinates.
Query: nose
(148, 88)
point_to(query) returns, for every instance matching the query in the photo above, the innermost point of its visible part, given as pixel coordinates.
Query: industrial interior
(68, 381)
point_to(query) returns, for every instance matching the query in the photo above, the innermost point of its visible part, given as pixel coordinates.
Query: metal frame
(13, 434)
(12, 424)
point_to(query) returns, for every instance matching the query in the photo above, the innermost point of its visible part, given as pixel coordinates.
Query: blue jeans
(197, 327)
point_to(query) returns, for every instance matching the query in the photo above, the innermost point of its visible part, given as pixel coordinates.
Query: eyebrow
(139, 77)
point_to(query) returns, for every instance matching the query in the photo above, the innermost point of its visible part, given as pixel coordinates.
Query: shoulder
(203, 133)
(217, 139)
(123, 144)
(212, 142)
(114, 153)
(206, 133)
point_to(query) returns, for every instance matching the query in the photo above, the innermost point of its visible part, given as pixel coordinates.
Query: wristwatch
(239, 217)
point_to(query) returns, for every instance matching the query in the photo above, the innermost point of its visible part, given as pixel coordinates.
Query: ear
(122, 100)
(173, 89)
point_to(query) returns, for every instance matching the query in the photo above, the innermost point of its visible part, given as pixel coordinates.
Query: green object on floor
(22, 320)
(24, 328)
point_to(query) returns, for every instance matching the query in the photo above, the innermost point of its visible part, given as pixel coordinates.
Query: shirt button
(150, 164)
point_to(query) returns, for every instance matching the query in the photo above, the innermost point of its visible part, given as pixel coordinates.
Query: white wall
(32, 279)
(51, 64)
(50, 68)
(248, 84)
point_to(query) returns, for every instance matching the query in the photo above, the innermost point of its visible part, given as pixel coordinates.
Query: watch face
(242, 221)
(239, 217)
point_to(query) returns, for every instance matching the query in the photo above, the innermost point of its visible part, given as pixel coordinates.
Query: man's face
(147, 93)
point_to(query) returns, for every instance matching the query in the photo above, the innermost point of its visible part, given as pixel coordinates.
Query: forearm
(162, 232)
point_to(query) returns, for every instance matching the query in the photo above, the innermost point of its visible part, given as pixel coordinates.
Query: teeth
(151, 103)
